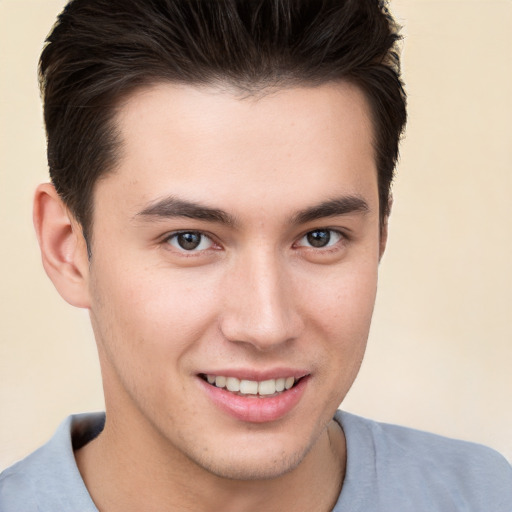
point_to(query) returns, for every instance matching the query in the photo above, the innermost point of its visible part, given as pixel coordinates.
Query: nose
(260, 307)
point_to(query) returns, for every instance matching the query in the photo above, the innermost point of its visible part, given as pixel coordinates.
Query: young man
(219, 203)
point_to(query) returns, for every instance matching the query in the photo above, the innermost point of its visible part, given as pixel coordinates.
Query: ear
(63, 247)
(384, 229)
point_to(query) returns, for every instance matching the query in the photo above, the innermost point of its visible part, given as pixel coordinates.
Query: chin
(258, 469)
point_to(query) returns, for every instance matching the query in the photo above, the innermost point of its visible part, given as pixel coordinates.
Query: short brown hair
(101, 50)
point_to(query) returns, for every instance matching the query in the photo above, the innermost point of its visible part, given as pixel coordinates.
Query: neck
(127, 471)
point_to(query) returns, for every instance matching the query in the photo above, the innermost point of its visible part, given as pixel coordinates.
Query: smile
(244, 387)
(255, 398)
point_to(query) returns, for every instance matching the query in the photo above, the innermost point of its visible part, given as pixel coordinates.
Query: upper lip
(258, 375)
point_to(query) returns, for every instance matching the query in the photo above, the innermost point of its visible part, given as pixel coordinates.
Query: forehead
(303, 113)
(214, 144)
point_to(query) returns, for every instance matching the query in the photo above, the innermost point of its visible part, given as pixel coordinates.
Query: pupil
(189, 241)
(319, 238)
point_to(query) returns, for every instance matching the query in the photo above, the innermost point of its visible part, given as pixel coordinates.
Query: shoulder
(424, 467)
(48, 479)
(397, 442)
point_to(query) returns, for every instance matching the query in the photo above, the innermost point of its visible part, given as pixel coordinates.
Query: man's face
(237, 240)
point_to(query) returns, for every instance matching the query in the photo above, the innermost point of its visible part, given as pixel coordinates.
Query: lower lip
(254, 409)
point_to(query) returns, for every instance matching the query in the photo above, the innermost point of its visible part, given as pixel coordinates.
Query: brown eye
(320, 238)
(190, 241)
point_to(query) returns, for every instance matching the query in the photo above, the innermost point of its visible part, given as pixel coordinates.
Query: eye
(190, 241)
(320, 238)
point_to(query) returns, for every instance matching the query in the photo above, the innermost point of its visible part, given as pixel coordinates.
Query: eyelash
(174, 236)
(330, 247)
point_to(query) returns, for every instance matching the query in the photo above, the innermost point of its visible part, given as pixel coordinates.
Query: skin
(254, 296)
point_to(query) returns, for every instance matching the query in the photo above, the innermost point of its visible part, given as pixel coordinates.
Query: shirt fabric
(389, 469)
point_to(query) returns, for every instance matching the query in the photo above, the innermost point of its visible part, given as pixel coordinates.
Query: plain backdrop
(440, 351)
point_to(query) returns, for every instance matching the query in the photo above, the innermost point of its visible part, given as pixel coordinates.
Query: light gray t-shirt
(389, 469)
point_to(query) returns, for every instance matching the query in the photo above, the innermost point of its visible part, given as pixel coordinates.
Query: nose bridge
(260, 308)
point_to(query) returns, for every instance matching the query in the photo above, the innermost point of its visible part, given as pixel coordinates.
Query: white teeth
(233, 384)
(220, 382)
(252, 387)
(248, 387)
(267, 387)
(289, 382)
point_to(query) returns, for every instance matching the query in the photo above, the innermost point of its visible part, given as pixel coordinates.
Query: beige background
(440, 352)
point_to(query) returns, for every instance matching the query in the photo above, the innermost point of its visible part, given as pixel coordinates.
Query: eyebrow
(332, 208)
(171, 206)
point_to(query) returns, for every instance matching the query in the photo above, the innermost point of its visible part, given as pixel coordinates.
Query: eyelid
(166, 239)
(343, 236)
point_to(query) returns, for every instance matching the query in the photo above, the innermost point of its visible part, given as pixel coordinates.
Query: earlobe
(63, 247)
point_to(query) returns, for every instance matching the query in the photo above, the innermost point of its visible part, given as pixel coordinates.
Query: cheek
(146, 327)
(155, 312)
(343, 303)
(341, 313)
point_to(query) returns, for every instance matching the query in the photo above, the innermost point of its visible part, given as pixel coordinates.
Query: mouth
(252, 388)
(247, 399)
